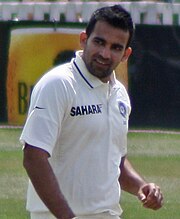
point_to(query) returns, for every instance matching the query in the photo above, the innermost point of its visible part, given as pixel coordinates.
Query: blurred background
(37, 34)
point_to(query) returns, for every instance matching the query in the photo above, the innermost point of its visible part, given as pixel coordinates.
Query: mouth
(102, 62)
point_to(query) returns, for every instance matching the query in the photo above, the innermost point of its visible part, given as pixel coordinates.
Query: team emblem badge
(122, 108)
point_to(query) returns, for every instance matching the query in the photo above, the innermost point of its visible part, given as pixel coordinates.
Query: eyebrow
(113, 45)
(118, 45)
(99, 38)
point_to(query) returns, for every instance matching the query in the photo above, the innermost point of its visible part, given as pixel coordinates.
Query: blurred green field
(156, 156)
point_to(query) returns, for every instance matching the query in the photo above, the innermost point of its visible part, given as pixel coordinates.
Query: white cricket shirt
(82, 123)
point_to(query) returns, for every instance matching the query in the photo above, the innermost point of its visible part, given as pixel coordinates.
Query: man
(75, 136)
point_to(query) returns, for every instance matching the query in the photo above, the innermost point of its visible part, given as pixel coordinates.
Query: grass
(13, 179)
(155, 156)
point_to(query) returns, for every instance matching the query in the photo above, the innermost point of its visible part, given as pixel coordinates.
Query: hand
(151, 197)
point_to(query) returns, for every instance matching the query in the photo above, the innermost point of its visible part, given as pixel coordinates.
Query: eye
(117, 48)
(99, 42)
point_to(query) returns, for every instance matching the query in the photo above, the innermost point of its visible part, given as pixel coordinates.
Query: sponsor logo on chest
(86, 110)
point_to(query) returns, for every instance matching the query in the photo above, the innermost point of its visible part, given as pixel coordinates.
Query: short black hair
(114, 15)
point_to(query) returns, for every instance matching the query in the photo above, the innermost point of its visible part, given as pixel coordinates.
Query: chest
(97, 111)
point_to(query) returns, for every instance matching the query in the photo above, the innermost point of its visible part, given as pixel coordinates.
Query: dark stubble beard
(97, 72)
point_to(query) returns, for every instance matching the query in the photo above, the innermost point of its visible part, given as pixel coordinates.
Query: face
(104, 49)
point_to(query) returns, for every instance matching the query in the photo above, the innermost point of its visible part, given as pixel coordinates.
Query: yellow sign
(32, 53)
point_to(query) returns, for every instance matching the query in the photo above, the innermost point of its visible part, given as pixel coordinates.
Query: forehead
(110, 33)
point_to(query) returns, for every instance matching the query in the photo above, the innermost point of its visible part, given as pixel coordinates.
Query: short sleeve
(47, 109)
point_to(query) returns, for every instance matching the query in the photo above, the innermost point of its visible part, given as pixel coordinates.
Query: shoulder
(122, 89)
(58, 83)
(57, 78)
(60, 73)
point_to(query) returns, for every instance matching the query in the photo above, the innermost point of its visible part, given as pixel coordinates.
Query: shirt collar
(90, 79)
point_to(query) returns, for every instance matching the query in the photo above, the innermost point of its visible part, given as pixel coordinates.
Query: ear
(126, 55)
(83, 39)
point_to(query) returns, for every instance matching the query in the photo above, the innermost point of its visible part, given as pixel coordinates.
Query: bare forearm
(130, 180)
(46, 185)
(148, 193)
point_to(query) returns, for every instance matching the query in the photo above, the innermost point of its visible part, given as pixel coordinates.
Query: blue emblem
(122, 109)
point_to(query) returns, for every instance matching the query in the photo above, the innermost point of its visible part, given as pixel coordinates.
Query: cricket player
(75, 135)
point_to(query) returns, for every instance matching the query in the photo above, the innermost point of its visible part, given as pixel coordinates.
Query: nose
(105, 53)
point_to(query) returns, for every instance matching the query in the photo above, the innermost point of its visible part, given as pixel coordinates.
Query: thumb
(142, 197)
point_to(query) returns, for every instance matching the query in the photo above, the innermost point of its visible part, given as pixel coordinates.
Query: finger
(153, 206)
(154, 193)
(142, 197)
(154, 201)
